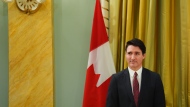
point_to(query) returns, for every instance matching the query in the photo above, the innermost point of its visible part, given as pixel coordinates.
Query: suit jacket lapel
(143, 85)
(128, 85)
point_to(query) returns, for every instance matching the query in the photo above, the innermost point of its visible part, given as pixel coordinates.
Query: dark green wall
(72, 31)
(3, 55)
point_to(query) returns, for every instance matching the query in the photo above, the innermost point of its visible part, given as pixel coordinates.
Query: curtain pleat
(164, 26)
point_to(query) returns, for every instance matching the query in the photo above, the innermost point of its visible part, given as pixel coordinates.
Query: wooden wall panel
(30, 57)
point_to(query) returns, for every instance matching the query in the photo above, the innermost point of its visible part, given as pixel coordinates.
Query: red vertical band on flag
(99, 34)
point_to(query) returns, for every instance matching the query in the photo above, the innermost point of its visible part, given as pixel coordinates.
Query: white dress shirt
(131, 73)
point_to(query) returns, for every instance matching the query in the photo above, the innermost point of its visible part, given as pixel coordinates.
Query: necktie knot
(135, 74)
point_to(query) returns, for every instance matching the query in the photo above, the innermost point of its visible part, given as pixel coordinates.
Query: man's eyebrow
(134, 51)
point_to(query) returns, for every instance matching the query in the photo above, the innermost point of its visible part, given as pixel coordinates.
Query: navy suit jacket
(151, 91)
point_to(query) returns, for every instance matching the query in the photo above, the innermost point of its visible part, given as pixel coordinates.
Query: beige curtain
(164, 26)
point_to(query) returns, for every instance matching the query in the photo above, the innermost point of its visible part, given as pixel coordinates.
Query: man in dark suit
(135, 86)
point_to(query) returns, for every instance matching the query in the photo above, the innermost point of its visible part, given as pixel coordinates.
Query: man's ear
(144, 55)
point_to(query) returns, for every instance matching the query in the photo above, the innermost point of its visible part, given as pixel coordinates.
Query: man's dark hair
(138, 43)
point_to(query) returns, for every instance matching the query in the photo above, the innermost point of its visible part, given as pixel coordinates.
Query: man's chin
(132, 65)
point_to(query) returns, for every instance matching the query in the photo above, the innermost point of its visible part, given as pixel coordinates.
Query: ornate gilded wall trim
(27, 6)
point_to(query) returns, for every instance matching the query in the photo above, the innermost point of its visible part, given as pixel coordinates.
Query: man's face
(134, 57)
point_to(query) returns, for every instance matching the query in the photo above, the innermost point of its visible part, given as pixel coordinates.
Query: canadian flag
(100, 63)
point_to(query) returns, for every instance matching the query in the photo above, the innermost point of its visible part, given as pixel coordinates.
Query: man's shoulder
(150, 72)
(121, 73)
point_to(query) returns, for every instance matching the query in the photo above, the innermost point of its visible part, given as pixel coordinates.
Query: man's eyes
(136, 53)
(129, 53)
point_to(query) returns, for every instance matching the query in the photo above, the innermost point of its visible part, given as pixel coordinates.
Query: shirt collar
(131, 72)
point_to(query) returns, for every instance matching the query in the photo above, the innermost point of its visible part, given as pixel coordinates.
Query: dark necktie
(135, 89)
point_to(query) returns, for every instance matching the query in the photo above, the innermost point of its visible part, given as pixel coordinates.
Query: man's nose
(132, 56)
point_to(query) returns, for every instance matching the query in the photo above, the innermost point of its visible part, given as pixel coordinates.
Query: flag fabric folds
(100, 63)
